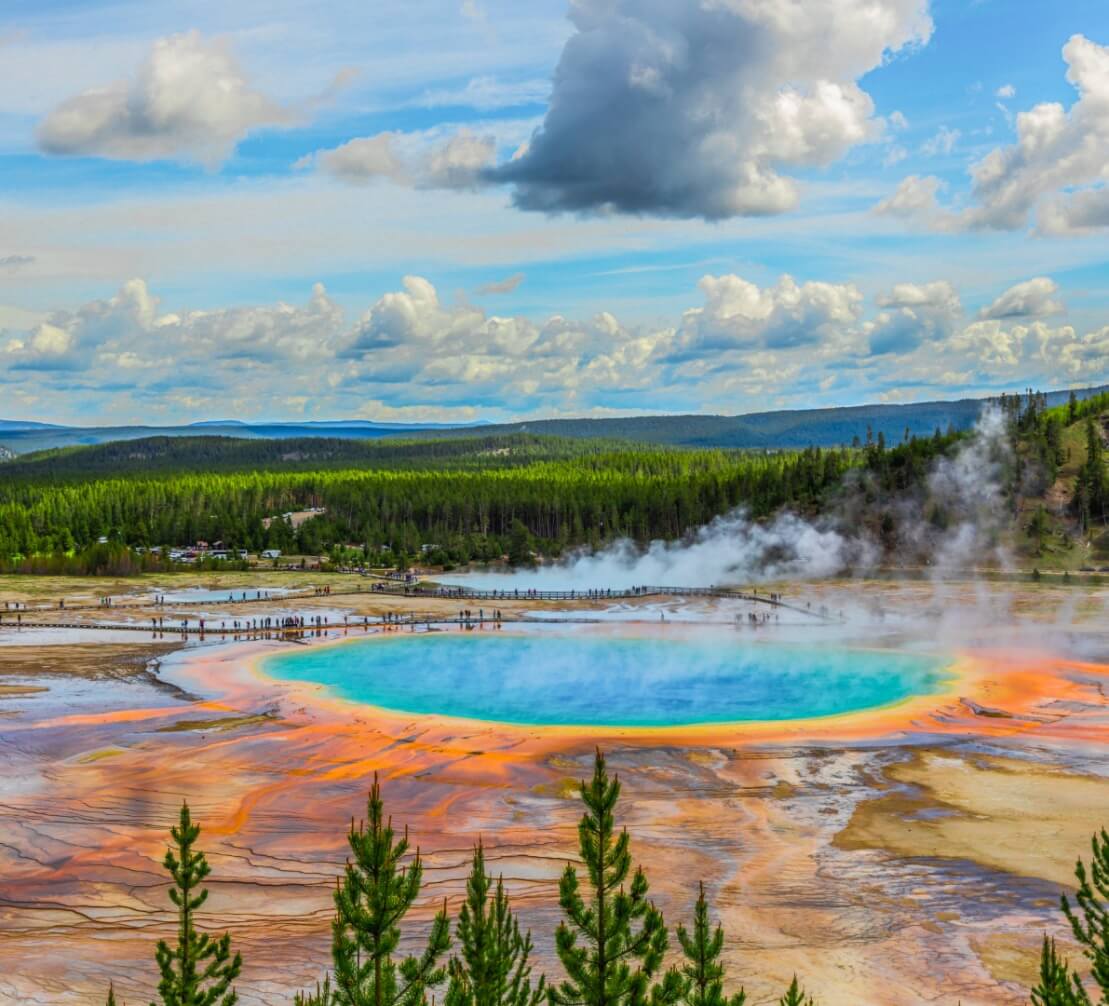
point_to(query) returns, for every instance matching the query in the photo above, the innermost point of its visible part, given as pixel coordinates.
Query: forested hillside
(468, 497)
(451, 501)
(1062, 508)
(473, 498)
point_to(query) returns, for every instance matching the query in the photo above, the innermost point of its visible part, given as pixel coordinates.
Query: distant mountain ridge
(7, 425)
(829, 427)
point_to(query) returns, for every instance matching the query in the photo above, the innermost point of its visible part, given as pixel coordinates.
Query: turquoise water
(593, 680)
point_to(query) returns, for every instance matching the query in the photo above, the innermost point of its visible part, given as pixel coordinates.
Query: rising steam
(733, 549)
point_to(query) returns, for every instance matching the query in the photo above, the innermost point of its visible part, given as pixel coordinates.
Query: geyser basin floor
(898, 855)
(596, 679)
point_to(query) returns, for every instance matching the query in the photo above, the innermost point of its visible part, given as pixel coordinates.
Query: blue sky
(469, 209)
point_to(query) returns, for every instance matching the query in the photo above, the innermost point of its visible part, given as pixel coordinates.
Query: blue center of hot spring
(589, 680)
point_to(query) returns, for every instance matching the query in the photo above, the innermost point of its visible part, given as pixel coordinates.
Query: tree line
(612, 941)
(467, 499)
(1041, 433)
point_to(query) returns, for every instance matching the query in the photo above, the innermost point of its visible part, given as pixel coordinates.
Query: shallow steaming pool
(583, 679)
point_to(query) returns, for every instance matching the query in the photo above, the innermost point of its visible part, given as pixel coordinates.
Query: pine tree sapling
(371, 899)
(322, 996)
(111, 995)
(623, 936)
(1089, 919)
(703, 972)
(493, 966)
(795, 996)
(1058, 986)
(198, 970)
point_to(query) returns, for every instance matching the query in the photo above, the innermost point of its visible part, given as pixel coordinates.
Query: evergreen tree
(1093, 475)
(519, 545)
(372, 898)
(1057, 987)
(198, 970)
(493, 967)
(111, 995)
(323, 996)
(1039, 527)
(1089, 919)
(623, 934)
(704, 974)
(795, 996)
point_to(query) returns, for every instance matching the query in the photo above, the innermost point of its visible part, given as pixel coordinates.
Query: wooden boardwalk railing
(423, 589)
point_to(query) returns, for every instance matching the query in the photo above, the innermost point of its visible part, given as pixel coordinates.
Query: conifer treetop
(612, 940)
(198, 970)
(371, 899)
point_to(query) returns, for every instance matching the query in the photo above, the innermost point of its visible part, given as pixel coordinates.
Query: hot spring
(583, 678)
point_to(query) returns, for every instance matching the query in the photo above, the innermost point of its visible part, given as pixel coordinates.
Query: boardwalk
(53, 617)
(426, 589)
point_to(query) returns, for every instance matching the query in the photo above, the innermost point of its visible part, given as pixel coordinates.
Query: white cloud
(1006, 91)
(412, 352)
(459, 163)
(895, 155)
(914, 313)
(126, 331)
(361, 160)
(942, 143)
(189, 101)
(1056, 169)
(1086, 358)
(415, 160)
(1032, 299)
(993, 345)
(50, 341)
(740, 315)
(915, 196)
(687, 108)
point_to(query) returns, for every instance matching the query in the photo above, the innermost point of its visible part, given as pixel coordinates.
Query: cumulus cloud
(744, 347)
(701, 109)
(420, 161)
(991, 344)
(1055, 173)
(1083, 212)
(739, 314)
(1086, 358)
(506, 285)
(1032, 299)
(914, 313)
(68, 340)
(189, 100)
(127, 331)
(916, 196)
(1056, 148)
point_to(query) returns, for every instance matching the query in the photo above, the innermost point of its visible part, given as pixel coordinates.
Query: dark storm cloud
(686, 108)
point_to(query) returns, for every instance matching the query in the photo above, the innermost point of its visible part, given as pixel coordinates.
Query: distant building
(271, 553)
